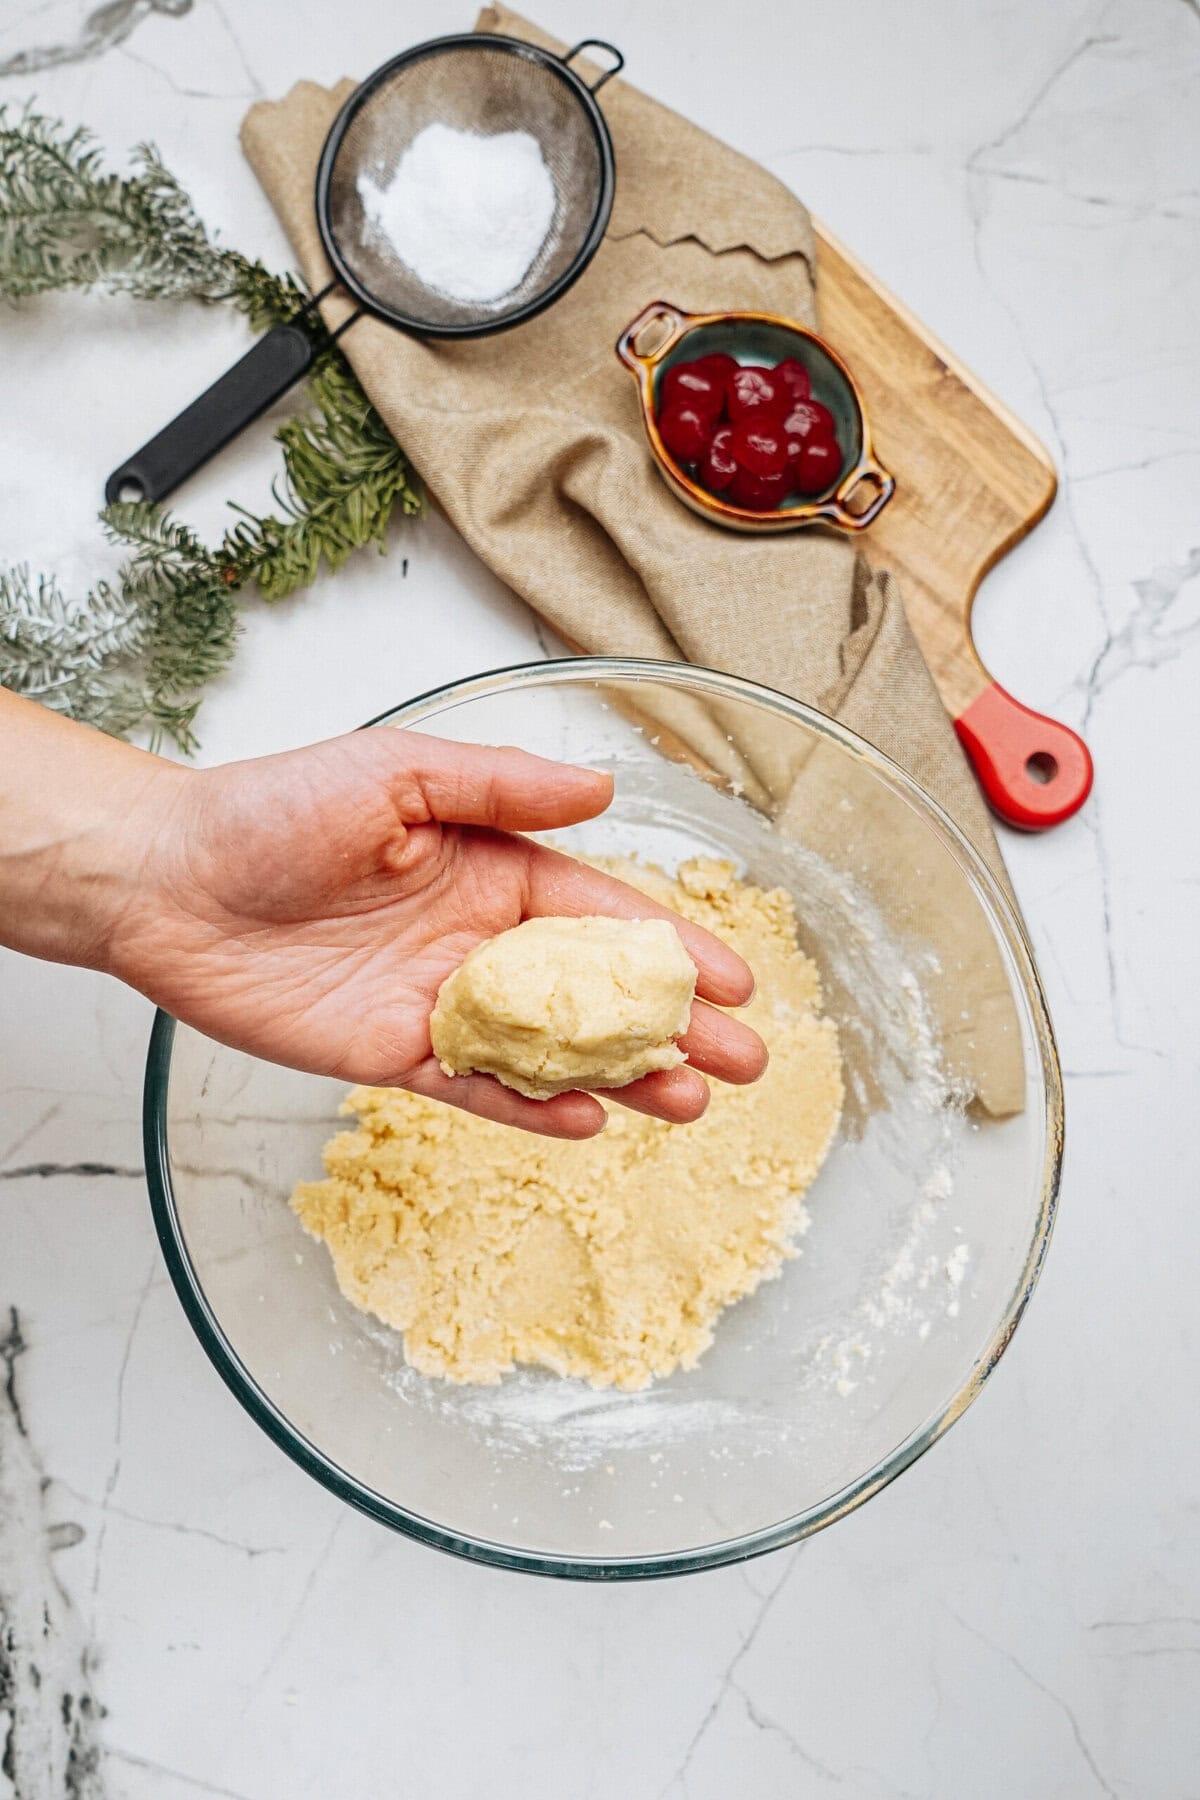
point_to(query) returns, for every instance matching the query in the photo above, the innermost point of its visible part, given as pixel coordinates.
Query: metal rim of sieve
(606, 187)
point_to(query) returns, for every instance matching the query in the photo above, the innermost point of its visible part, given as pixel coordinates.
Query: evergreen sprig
(63, 652)
(65, 221)
(135, 654)
(130, 656)
(343, 479)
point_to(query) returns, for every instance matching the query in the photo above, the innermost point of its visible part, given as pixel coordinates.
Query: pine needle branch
(137, 655)
(127, 658)
(344, 477)
(67, 222)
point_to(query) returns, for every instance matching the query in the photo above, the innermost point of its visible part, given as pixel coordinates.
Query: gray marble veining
(101, 28)
(49, 1714)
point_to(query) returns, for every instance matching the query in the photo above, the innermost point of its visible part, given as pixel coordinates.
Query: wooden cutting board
(971, 480)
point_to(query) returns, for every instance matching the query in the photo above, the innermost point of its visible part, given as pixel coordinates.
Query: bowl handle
(660, 311)
(871, 473)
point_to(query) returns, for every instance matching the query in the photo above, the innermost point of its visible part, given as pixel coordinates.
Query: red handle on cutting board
(1035, 771)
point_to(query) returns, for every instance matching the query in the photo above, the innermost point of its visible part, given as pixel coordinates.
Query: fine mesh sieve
(474, 82)
(485, 85)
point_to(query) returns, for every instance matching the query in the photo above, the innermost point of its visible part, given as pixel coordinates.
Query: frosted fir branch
(128, 658)
(65, 221)
(136, 655)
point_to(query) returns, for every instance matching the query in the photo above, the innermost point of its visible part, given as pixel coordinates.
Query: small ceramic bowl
(662, 336)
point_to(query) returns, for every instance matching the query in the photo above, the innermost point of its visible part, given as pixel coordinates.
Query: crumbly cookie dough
(556, 1004)
(612, 1259)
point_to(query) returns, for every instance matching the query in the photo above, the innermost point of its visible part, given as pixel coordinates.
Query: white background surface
(1020, 1614)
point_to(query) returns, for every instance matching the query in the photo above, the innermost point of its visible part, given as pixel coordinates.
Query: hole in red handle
(1041, 767)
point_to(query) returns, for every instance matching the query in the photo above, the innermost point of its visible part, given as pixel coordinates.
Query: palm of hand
(307, 908)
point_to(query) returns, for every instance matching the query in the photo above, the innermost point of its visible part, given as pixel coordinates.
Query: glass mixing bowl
(929, 1220)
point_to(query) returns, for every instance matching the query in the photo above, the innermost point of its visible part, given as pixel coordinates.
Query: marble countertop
(1020, 1615)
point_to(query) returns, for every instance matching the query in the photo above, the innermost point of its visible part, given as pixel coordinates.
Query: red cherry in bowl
(753, 389)
(817, 466)
(720, 465)
(759, 445)
(795, 377)
(691, 384)
(759, 493)
(808, 418)
(686, 431)
(718, 364)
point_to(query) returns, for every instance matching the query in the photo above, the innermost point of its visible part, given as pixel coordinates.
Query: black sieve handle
(598, 44)
(277, 361)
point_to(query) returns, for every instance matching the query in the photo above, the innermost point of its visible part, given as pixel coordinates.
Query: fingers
(716, 1045)
(723, 1047)
(677, 1096)
(565, 1116)
(559, 884)
(472, 784)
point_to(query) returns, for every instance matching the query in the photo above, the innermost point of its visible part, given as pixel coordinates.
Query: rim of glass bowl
(589, 670)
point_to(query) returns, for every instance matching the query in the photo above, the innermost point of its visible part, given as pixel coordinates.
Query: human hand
(307, 907)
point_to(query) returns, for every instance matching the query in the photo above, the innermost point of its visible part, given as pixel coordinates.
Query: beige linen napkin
(532, 442)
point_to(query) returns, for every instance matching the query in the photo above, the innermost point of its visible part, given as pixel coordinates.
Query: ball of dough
(558, 1003)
